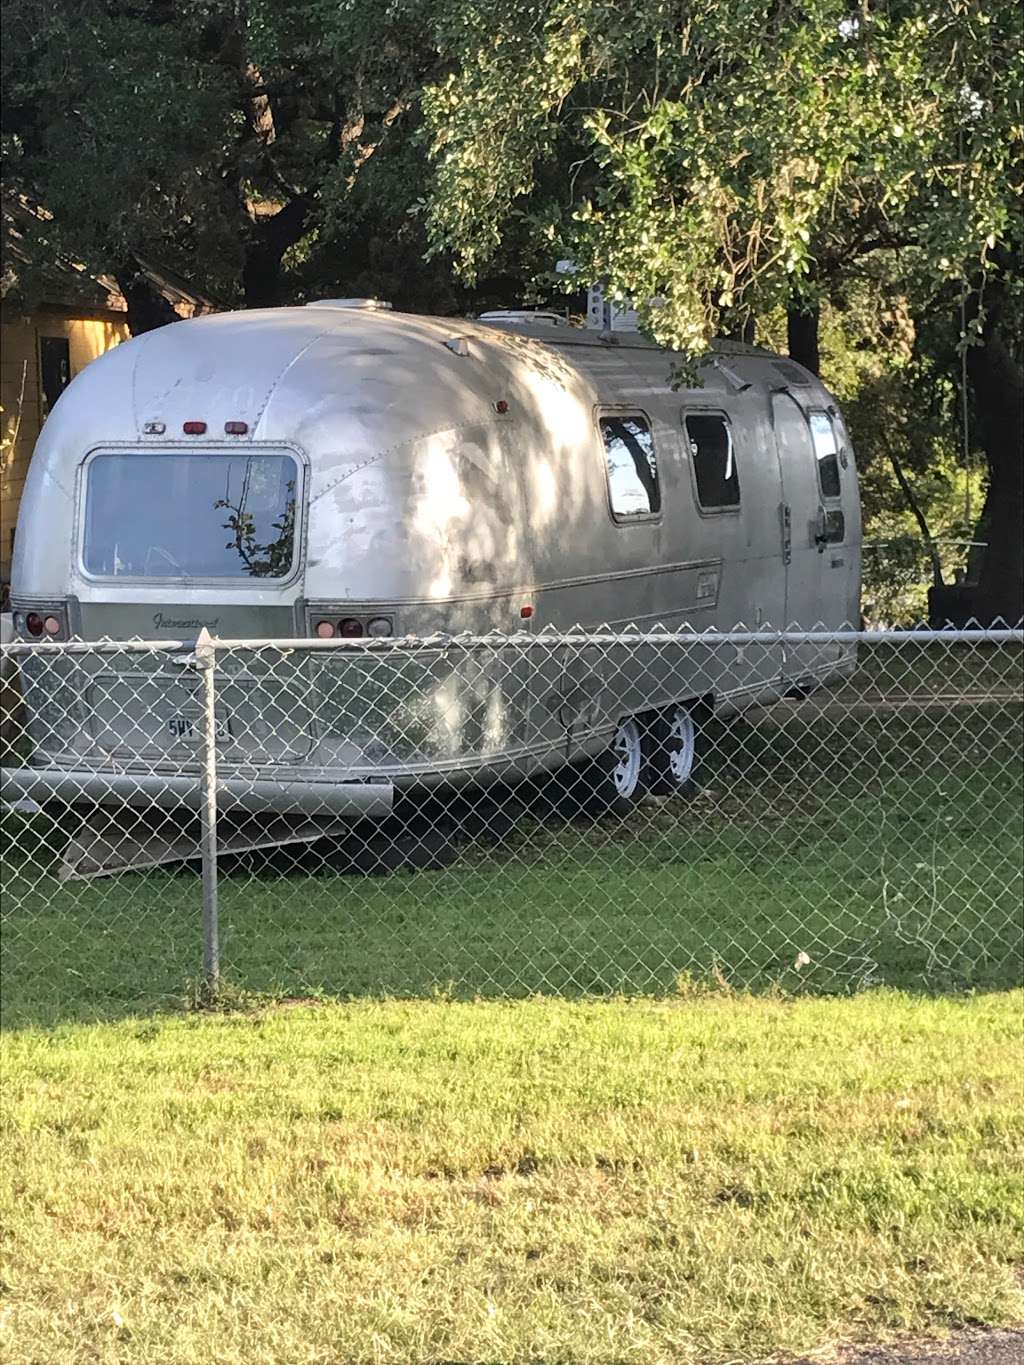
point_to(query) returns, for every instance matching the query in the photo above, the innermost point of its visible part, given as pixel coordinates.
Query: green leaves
(733, 152)
(217, 141)
(723, 155)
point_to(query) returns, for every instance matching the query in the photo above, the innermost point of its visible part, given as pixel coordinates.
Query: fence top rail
(104, 646)
(714, 638)
(547, 639)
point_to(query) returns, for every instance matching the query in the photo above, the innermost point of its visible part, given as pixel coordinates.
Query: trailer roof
(569, 335)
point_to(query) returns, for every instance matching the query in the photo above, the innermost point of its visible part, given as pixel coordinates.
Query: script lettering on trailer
(162, 622)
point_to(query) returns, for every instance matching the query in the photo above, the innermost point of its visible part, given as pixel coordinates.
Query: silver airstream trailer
(342, 469)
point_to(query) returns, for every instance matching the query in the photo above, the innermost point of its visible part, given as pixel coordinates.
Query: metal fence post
(206, 660)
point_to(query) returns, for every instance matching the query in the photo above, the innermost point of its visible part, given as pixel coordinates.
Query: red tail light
(34, 623)
(350, 629)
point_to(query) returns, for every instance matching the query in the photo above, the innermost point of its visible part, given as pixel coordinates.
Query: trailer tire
(612, 782)
(676, 749)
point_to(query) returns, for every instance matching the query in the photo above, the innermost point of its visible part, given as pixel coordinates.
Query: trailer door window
(194, 515)
(714, 461)
(826, 450)
(633, 487)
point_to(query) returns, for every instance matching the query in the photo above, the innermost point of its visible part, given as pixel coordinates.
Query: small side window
(633, 487)
(714, 463)
(826, 450)
(55, 368)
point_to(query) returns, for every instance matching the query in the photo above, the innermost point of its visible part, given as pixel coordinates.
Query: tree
(733, 157)
(222, 141)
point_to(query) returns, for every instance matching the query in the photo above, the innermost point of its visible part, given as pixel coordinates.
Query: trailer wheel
(628, 760)
(610, 783)
(675, 749)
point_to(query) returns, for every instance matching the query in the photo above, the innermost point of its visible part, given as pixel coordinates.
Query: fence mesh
(579, 813)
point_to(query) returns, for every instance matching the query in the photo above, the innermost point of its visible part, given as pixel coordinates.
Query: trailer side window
(714, 462)
(633, 487)
(826, 449)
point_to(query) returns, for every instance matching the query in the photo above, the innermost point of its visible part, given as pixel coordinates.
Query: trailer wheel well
(704, 703)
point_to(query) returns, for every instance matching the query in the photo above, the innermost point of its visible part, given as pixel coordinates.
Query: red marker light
(236, 428)
(501, 405)
(194, 428)
(526, 612)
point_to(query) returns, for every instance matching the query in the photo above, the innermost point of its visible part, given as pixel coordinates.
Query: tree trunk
(270, 239)
(147, 307)
(802, 337)
(261, 276)
(745, 331)
(997, 382)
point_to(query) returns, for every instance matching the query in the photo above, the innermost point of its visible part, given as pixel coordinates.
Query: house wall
(21, 394)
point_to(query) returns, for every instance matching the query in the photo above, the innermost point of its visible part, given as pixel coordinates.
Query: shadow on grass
(822, 860)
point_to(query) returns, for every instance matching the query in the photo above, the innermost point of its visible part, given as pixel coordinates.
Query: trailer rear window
(190, 515)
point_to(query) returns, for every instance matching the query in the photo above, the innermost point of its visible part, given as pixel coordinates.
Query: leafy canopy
(729, 156)
(205, 137)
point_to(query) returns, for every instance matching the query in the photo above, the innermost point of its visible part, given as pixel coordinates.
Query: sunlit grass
(705, 1179)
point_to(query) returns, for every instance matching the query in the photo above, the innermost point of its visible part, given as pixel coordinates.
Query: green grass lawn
(888, 854)
(679, 1172)
(709, 1179)
(878, 838)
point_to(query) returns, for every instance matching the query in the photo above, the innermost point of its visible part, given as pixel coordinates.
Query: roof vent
(370, 305)
(793, 374)
(518, 317)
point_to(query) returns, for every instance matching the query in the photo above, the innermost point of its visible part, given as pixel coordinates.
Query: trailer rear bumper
(176, 791)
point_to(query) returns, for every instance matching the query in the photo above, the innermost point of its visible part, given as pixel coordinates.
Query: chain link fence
(581, 813)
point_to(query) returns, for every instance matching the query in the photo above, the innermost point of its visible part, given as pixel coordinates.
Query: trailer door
(814, 530)
(734, 477)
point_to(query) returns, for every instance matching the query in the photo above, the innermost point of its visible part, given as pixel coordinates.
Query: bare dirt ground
(965, 1348)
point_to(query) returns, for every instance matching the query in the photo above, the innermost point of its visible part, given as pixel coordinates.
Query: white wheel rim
(682, 745)
(629, 757)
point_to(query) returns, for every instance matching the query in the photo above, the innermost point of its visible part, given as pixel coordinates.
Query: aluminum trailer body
(286, 472)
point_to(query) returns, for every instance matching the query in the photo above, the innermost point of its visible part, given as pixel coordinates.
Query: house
(71, 317)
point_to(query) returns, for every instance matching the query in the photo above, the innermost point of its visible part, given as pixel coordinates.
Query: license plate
(184, 726)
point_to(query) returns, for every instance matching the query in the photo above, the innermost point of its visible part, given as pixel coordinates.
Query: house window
(633, 487)
(714, 462)
(826, 450)
(54, 368)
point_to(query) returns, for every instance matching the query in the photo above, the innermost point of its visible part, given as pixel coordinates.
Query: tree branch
(919, 516)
